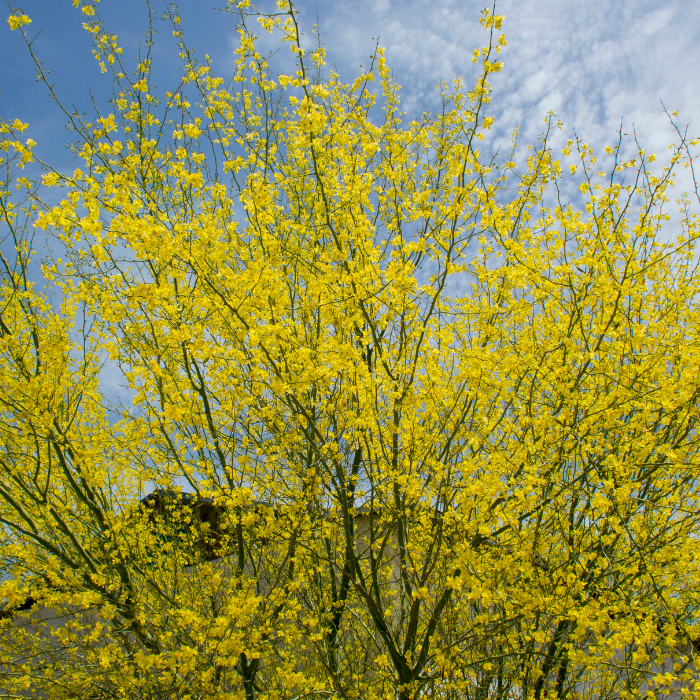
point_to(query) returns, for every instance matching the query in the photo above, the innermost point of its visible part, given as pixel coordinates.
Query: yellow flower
(16, 21)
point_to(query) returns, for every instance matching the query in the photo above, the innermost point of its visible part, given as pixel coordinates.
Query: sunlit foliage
(443, 424)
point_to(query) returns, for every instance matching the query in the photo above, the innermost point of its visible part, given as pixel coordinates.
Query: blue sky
(594, 62)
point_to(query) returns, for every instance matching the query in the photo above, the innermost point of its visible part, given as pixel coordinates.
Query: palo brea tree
(448, 421)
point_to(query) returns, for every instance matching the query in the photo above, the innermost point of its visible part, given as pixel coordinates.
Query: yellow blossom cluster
(400, 423)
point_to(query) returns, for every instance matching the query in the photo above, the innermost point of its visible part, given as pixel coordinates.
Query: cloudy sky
(594, 62)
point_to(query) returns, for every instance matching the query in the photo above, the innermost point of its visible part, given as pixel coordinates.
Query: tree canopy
(443, 422)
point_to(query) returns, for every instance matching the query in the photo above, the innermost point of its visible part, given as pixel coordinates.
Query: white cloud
(598, 64)
(594, 62)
